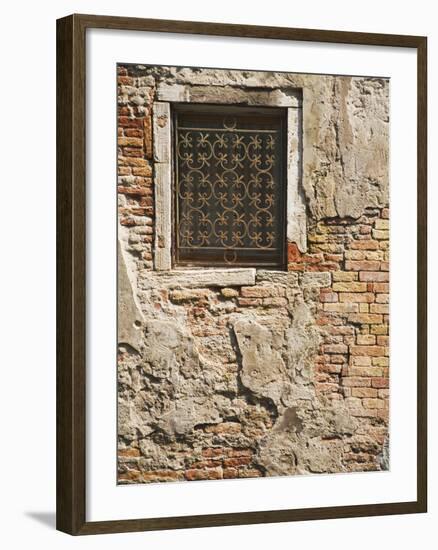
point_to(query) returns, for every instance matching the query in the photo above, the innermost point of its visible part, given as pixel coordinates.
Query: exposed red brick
(132, 190)
(211, 452)
(366, 339)
(341, 307)
(364, 245)
(147, 130)
(257, 292)
(132, 132)
(364, 392)
(132, 161)
(380, 383)
(129, 452)
(132, 152)
(369, 351)
(365, 318)
(250, 472)
(125, 80)
(356, 381)
(249, 302)
(209, 473)
(237, 462)
(127, 122)
(327, 295)
(356, 297)
(379, 308)
(353, 286)
(379, 329)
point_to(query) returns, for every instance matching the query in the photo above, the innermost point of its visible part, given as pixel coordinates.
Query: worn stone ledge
(193, 278)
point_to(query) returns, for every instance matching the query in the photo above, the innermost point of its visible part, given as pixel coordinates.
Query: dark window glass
(230, 186)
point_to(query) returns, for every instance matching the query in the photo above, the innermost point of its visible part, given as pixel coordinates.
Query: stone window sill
(200, 278)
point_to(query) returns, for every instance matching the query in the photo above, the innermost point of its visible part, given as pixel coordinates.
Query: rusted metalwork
(230, 186)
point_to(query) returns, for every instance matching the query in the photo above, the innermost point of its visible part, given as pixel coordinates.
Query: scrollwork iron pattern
(228, 191)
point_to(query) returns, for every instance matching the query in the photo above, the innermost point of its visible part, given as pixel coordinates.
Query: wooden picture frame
(71, 273)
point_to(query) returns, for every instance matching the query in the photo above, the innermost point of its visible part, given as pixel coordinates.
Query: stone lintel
(279, 97)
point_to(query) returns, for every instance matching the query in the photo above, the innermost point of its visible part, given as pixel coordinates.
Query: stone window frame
(296, 217)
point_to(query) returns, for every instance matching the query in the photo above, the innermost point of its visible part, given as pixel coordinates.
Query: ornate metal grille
(230, 186)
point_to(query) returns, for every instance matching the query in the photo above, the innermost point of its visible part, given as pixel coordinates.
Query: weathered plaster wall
(262, 372)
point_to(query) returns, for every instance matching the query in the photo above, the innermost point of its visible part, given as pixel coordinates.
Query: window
(229, 186)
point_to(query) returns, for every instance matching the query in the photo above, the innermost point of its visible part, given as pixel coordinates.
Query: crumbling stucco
(130, 316)
(259, 387)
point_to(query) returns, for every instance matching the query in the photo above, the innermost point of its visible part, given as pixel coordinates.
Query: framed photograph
(241, 278)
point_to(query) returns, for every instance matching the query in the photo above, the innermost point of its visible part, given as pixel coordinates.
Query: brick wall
(354, 310)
